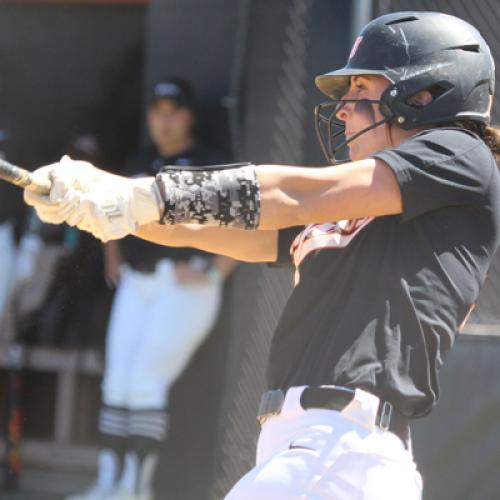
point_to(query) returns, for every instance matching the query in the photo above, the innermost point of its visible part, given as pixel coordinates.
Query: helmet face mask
(415, 51)
(330, 129)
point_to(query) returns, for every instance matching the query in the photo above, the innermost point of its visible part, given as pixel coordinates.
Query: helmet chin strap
(343, 144)
(328, 149)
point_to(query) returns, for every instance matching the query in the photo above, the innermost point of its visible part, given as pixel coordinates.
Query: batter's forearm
(236, 196)
(272, 197)
(247, 246)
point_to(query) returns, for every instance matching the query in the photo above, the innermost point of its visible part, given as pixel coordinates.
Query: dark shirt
(142, 254)
(11, 202)
(12, 207)
(380, 300)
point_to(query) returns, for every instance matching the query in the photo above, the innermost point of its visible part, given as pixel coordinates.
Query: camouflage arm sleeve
(222, 195)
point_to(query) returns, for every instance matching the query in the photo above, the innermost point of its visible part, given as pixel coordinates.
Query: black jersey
(142, 254)
(379, 300)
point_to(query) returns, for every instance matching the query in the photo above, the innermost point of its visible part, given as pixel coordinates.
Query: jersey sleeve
(440, 168)
(285, 240)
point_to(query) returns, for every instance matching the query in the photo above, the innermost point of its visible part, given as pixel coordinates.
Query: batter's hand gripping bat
(21, 177)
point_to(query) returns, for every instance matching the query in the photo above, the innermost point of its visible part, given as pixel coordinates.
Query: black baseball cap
(177, 90)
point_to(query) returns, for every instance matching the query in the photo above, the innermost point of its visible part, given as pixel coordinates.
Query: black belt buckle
(144, 267)
(271, 403)
(327, 397)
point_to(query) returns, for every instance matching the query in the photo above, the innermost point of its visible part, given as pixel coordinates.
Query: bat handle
(38, 187)
(22, 178)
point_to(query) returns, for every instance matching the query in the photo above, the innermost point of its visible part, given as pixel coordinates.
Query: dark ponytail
(492, 139)
(490, 135)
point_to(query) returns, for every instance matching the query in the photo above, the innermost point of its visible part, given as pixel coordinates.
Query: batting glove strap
(220, 195)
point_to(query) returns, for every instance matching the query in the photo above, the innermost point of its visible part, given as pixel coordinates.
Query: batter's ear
(420, 99)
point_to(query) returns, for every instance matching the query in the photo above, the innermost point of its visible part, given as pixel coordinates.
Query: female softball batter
(390, 251)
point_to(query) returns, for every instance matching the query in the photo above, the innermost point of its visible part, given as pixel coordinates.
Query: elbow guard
(219, 195)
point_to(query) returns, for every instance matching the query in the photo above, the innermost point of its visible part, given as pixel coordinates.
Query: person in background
(166, 303)
(10, 210)
(76, 309)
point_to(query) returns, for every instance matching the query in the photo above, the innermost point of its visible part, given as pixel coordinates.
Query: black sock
(147, 430)
(113, 424)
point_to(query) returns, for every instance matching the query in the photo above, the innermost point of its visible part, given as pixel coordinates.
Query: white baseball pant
(155, 327)
(322, 454)
(7, 262)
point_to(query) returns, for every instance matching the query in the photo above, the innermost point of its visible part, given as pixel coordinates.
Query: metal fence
(276, 96)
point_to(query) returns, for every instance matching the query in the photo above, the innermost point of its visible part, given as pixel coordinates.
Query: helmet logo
(355, 47)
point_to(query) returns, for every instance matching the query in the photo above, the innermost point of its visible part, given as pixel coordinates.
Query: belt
(144, 267)
(336, 398)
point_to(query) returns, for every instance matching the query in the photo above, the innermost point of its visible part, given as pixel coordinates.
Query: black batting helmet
(418, 51)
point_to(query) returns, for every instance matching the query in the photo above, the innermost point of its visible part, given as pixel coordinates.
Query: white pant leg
(178, 319)
(323, 454)
(7, 259)
(124, 336)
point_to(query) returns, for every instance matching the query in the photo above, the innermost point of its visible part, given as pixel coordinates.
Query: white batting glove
(73, 177)
(116, 207)
(107, 205)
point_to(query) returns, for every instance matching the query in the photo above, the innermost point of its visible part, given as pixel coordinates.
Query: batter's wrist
(147, 201)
